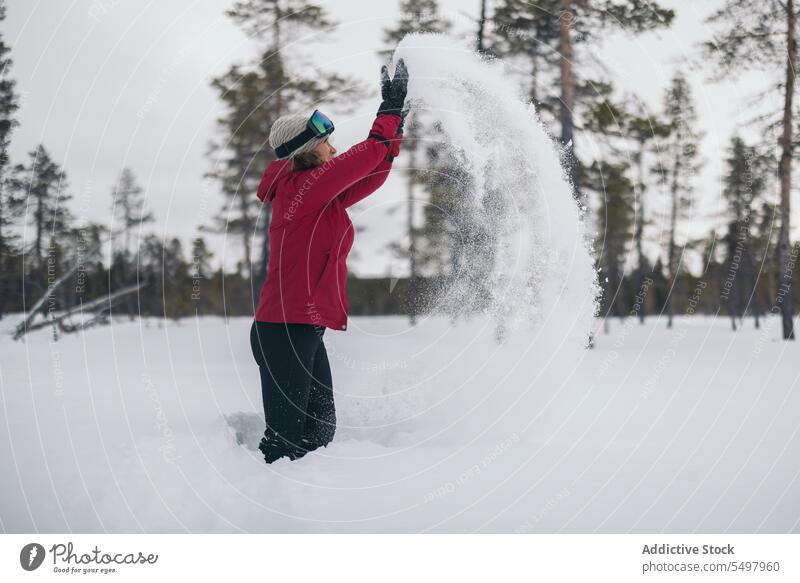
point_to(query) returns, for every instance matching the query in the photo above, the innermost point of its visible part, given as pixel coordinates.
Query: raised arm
(393, 93)
(367, 185)
(375, 179)
(322, 184)
(363, 168)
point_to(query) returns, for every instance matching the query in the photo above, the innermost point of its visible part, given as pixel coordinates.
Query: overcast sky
(113, 83)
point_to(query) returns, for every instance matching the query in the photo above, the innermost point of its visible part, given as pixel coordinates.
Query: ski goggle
(317, 125)
(320, 123)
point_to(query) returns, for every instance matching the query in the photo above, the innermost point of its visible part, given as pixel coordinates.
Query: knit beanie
(287, 127)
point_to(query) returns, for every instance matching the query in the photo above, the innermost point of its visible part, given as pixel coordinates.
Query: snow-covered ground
(123, 429)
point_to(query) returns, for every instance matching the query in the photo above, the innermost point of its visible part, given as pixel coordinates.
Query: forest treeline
(634, 168)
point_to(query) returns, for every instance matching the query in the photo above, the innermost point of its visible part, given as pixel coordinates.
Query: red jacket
(310, 232)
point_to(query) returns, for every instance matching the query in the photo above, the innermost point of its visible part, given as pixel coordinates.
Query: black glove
(386, 85)
(393, 92)
(403, 114)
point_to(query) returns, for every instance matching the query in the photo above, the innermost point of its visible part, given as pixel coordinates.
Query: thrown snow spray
(521, 268)
(519, 234)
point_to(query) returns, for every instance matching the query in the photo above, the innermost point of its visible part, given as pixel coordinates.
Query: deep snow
(122, 429)
(134, 427)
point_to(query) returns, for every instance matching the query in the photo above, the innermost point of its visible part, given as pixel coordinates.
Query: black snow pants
(296, 388)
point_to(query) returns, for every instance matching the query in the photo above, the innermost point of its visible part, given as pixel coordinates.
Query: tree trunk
(755, 302)
(734, 298)
(247, 231)
(673, 221)
(3, 252)
(262, 225)
(39, 227)
(784, 296)
(276, 54)
(263, 258)
(534, 94)
(127, 240)
(639, 233)
(412, 240)
(566, 16)
(481, 26)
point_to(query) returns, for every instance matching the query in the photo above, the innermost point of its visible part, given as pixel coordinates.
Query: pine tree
(529, 31)
(128, 212)
(745, 182)
(151, 252)
(169, 286)
(764, 240)
(201, 273)
(608, 177)
(127, 206)
(677, 170)
(8, 204)
(480, 44)
(643, 131)
(86, 250)
(254, 97)
(615, 225)
(238, 159)
(555, 35)
(762, 36)
(43, 186)
(415, 16)
(177, 283)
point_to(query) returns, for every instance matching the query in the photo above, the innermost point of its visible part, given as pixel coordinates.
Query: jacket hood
(276, 172)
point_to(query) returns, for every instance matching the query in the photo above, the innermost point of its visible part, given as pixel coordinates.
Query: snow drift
(150, 426)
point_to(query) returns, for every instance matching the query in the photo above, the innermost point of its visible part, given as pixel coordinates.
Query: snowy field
(123, 429)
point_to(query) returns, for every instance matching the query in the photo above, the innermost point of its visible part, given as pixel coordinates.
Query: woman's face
(325, 150)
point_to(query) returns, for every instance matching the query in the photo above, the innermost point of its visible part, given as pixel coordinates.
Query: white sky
(111, 83)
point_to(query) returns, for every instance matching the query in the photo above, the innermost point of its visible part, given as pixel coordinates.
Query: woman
(310, 235)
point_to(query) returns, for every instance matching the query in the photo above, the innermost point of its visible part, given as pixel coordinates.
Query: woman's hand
(393, 91)
(403, 114)
(386, 84)
(400, 82)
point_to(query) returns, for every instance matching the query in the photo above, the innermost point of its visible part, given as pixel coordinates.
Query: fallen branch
(104, 302)
(27, 322)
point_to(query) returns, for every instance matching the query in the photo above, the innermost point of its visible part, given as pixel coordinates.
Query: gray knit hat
(287, 127)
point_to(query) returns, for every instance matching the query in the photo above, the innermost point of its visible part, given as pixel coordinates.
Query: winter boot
(275, 447)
